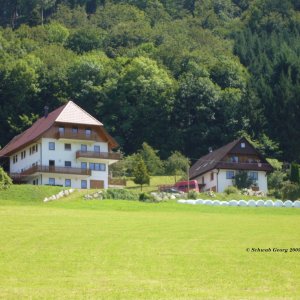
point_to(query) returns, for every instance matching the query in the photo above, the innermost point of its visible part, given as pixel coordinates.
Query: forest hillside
(180, 75)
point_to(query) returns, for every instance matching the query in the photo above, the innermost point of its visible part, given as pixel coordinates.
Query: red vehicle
(186, 186)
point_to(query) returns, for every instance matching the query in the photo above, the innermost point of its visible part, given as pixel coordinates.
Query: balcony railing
(54, 169)
(99, 155)
(255, 166)
(80, 135)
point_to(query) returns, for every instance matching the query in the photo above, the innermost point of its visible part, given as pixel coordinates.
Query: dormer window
(243, 145)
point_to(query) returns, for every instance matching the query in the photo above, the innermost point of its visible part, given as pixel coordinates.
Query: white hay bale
(243, 203)
(216, 203)
(208, 202)
(251, 203)
(269, 203)
(233, 203)
(199, 201)
(297, 204)
(224, 203)
(278, 203)
(181, 201)
(190, 201)
(260, 203)
(288, 204)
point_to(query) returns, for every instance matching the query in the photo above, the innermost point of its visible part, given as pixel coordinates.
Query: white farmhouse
(66, 147)
(216, 170)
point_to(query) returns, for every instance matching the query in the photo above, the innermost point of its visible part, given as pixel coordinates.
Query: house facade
(216, 170)
(67, 147)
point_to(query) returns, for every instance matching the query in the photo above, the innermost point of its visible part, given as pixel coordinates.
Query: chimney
(46, 111)
(210, 149)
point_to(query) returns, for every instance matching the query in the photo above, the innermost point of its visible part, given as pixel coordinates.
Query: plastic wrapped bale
(278, 203)
(224, 203)
(233, 203)
(191, 201)
(251, 203)
(243, 203)
(297, 204)
(181, 201)
(288, 203)
(199, 201)
(269, 203)
(216, 203)
(260, 203)
(208, 202)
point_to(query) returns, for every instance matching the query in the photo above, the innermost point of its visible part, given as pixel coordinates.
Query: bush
(276, 179)
(146, 197)
(231, 190)
(121, 194)
(192, 195)
(290, 191)
(5, 180)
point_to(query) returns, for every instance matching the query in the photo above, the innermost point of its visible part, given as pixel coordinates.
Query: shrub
(275, 180)
(290, 191)
(146, 197)
(192, 195)
(5, 180)
(231, 190)
(121, 194)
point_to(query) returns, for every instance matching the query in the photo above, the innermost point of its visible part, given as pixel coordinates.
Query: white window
(253, 175)
(229, 174)
(68, 164)
(83, 165)
(68, 182)
(51, 181)
(84, 148)
(96, 148)
(83, 184)
(243, 145)
(51, 146)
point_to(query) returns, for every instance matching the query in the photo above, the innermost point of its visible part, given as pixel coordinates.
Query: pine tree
(140, 173)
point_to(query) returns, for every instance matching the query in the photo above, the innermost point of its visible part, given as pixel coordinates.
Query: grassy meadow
(76, 249)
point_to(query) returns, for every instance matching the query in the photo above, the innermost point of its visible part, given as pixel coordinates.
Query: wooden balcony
(54, 169)
(79, 135)
(253, 166)
(99, 155)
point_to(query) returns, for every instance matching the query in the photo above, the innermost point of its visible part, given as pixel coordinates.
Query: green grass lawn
(76, 249)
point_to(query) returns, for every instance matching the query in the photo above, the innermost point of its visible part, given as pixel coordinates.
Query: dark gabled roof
(213, 160)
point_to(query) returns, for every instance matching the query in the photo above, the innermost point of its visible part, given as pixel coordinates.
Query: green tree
(242, 180)
(140, 173)
(177, 164)
(295, 176)
(151, 159)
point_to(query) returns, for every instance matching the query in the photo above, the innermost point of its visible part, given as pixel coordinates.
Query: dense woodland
(180, 75)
